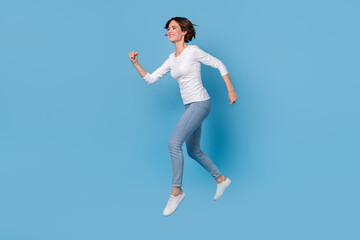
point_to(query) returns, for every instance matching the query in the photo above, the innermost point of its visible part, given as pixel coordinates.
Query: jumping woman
(184, 65)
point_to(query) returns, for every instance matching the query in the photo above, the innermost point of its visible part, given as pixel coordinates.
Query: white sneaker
(220, 188)
(173, 203)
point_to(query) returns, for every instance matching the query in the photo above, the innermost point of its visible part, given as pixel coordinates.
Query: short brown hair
(185, 25)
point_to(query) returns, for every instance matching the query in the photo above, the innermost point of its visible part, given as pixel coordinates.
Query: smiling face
(174, 32)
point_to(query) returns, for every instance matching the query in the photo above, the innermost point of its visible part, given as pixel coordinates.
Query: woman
(184, 65)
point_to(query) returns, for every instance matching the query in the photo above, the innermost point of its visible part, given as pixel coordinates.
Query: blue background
(83, 138)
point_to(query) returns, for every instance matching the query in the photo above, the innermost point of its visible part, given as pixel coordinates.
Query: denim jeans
(188, 130)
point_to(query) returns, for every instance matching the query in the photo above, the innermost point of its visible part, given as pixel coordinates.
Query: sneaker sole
(176, 207)
(223, 191)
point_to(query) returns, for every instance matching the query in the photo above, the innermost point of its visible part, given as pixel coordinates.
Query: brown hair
(185, 25)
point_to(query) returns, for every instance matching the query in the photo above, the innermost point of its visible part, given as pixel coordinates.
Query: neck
(180, 46)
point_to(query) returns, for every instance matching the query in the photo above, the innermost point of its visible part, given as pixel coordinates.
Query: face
(174, 32)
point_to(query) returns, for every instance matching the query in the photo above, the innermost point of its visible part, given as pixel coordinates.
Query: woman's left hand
(232, 97)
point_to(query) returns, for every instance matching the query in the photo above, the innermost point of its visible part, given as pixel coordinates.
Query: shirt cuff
(146, 76)
(223, 70)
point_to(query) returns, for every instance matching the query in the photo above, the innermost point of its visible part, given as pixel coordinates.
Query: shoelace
(171, 201)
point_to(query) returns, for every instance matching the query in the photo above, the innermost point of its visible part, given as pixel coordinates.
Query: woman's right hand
(133, 56)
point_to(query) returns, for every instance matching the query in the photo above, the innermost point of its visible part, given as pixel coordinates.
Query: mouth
(171, 35)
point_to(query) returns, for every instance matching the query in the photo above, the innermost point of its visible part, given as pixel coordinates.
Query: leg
(192, 118)
(194, 151)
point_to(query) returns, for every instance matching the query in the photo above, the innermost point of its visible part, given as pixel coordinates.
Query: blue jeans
(188, 129)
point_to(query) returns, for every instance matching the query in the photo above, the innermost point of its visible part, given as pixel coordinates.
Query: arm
(209, 60)
(149, 78)
(133, 58)
(231, 92)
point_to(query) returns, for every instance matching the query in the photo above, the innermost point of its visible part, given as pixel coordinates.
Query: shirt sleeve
(158, 73)
(209, 60)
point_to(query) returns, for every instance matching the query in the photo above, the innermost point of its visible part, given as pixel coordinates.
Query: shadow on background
(219, 126)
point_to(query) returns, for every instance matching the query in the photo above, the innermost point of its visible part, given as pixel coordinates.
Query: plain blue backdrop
(83, 138)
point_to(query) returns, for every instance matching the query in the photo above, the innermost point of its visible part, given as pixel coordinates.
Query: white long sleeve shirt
(185, 68)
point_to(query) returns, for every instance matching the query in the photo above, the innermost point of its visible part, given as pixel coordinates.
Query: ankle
(220, 179)
(176, 191)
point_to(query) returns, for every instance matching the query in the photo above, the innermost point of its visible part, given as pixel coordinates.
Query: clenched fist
(232, 97)
(133, 57)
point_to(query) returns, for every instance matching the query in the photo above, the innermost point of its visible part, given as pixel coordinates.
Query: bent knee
(194, 153)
